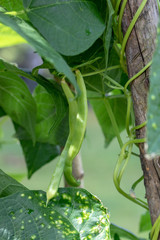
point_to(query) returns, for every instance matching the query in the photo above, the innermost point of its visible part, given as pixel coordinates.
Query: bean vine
(78, 110)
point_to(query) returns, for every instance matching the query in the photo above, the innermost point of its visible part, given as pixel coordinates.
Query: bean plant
(82, 46)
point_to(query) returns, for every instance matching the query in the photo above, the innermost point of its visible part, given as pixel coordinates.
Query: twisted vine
(126, 149)
(125, 155)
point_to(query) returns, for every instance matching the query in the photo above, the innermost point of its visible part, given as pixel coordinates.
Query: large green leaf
(49, 118)
(51, 127)
(153, 116)
(39, 43)
(70, 27)
(8, 185)
(38, 155)
(145, 222)
(119, 106)
(17, 101)
(8, 37)
(73, 214)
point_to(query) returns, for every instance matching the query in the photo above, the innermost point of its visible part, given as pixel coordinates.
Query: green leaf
(8, 185)
(17, 101)
(145, 222)
(8, 37)
(153, 115)
(121, 232)
(73, 214)
(50, 117)
(40, 45)
(38, 155)
(12, 5)
(70, 27)
(51, 127)
(119, 106)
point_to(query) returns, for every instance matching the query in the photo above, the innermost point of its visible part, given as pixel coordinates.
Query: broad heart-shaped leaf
(9, 186)
(73, 214)
(70, 27)
(38, 155)
(8, 37)
(51, 127)
(119, 107)
(17, 101)
(153, 115)
(39, 44)
(145, 222)
(51, 110)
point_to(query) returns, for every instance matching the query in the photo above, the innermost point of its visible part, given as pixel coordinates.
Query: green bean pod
(78, 110)
(57, 175)
(79, 130)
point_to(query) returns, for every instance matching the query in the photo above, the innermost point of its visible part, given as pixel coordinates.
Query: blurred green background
(98, 161)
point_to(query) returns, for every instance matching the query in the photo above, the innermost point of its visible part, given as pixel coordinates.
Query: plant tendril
(126, 149)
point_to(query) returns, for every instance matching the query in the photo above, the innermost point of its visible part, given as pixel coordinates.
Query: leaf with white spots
(73, 215)
(85, 211)
(9, 185)
(153, 116)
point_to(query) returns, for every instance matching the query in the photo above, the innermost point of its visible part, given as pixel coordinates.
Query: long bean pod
(78, 110)
(79, 130)
(57, 175)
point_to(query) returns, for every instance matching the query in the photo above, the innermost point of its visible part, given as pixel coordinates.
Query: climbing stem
(130, 28)
(155, 229)
(117, 6)
(113, 121)
(101, 71)
(113, 81)
(85, 63)
(129, 103)
(120, 20)
(137, 182)
(137, 75)
(128, 155)
(118, 172)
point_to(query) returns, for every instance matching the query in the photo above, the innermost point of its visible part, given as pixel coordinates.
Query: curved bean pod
(57, 175)
(79, 130)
